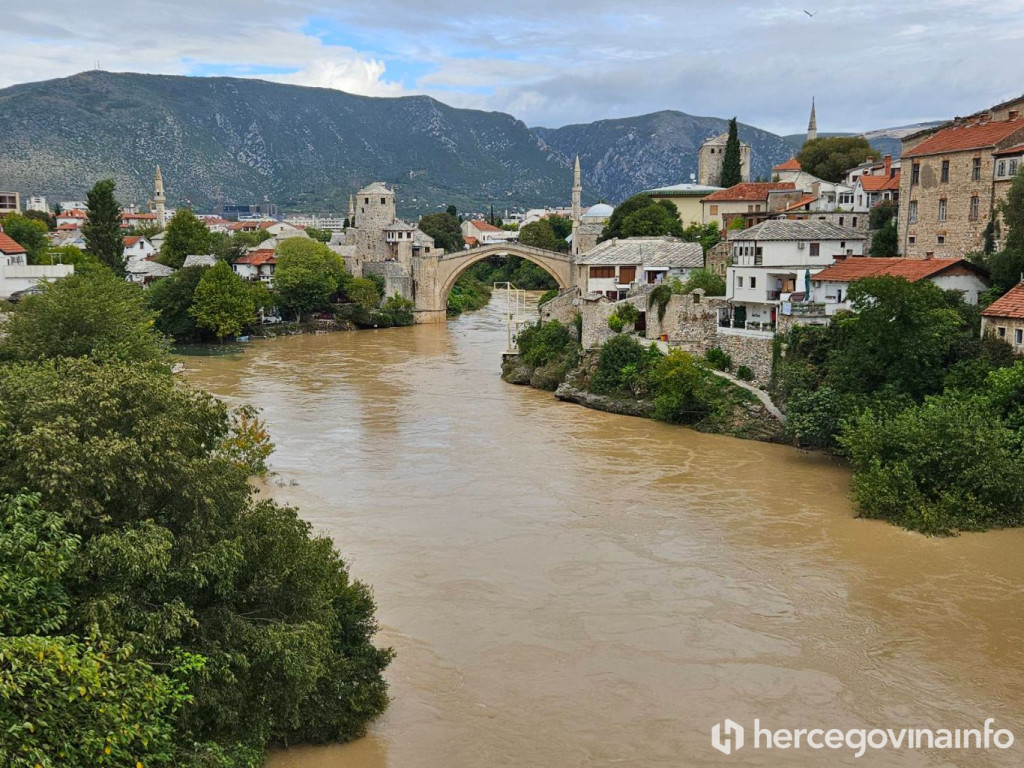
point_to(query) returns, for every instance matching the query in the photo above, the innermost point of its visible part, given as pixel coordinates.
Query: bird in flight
(812, 15)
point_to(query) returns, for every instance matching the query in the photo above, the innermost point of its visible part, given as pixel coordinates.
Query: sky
(868, 63)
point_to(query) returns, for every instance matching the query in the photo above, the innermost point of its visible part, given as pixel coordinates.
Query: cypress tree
(731, 171)
(102, 229)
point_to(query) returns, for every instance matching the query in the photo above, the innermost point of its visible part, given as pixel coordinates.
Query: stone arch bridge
(434, 276)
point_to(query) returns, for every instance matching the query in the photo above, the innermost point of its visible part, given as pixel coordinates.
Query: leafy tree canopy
(830, 157)
(102, 228)
(29, 233)
(171, 300)
(643, 216)
(445, 228)
(186, 235)
(222, 303)
(307, 275)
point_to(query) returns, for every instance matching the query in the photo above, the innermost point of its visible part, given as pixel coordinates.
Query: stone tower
(711, 156)
(375, 206)
(577, 210)
(159, 200)
(812, 124)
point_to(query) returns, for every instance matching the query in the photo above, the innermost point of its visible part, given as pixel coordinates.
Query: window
(912, 239)
(753, 282)
(945, 171)
(915, 173)
(1018, 336)
(976, 169)
(739, 281)
(854, 221)
(627, 274)
(714, 210)
(842, 245)
(602, 271)
(383, 201)
(815, 249)
(941, 239)
(840, 221)
(1001, 168)
(942, 209)
(975, 204)
(1001, 332)
(912, 212)
(366, 201)
(750, 209)
(1013, 167)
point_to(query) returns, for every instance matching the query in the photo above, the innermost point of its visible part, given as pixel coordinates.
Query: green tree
(708, 235)
(732, 173)
(683, 394)
(93, 313)
(45, 217)
(102, 228)
(830, 157)
(541, 234)
(446, 230)
(307, 275)
(29, 233)
(364, 293)
(229, 248)
(69, 254)
(884, 236)
(222, 302)
(186, 235)
(323, 235)
(642, 215)
(171, 300)
(706, 280)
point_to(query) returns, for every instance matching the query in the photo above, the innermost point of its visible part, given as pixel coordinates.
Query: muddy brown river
(565, 587)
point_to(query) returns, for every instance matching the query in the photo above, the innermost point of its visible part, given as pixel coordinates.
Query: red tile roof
(790, 165)
(1010, 304)
(751, 190)
(144, 216)
(855, 267)
(1019, 149)
(806, 199)
(130, 241)
(66, 227)
(880, 183)
(256, 258)
(963, 137)
(9, 245)
(74, 213)
(484, 226)
(471, 240)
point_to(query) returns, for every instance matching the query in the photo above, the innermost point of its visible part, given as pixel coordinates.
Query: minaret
(577, 191)
(351, 210)
(159, 199)
(812, 124)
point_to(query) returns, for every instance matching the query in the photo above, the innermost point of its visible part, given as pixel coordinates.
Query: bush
(744, 373)
(548, 296)
(718, 359)
(622, 359)
(468, 294)
(705, 279)
(542, 343)
(683, 394)
(363, 291)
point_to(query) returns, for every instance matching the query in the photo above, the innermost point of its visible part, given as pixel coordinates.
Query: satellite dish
(693, 177)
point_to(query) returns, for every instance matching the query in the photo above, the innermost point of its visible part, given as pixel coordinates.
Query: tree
(230, 248)
(30, 234)
(708, 235)
(44, 216)
(541, 234)
(323, 235)
(307, 275)
(171, 300)
(185, 235)
(885, 238)
(102, 228)
(222, 302)
(732, 173)
(445, 229)
(706, 280)
(1007, 266)
(642, 215)
(94, 313)
(69, 254)
(364, 293)
(830, 157)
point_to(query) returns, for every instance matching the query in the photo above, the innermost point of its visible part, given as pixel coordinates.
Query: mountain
(888, 141)
(239, 140)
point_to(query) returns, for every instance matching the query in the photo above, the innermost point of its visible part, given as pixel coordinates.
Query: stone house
(485, 233)
(773, 263)
(830, 288)
(614, 267)
(1004, 318)
(950, 190)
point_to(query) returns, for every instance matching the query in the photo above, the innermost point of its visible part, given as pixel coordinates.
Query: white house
(613, 267)
(74, 218)
(16, 274)
(776, 259)
(831, 286)
(258, 265)
(36, 203)
(137, 248)
(479, 232)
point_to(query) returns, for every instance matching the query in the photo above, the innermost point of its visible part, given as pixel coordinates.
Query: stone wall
(562, 308)
(755, 352)
(718, 258)
(397, 279)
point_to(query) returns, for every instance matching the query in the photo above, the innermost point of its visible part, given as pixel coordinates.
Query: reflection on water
(566, 587)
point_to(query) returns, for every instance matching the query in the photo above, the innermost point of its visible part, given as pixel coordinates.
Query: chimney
(888, 167)
(1014, 114)
(984, 117)
(839, 257)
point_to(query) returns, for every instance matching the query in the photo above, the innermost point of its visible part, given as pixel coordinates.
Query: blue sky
(869, 63)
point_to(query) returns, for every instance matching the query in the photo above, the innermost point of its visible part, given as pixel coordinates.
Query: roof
(749, 190)
(470, 240)
(790, 165)
(74, 213)
(376, 188)
(130, 241)
(958, 138)
(66, 227)
(599, 211)
(648, 251)
(9, 245)
(805, 200)
(147, 216)
(257, 257)
(1011, 150)
(200, 260)
(148, 268)
(855, 267)
(880, 183)
(682, 190)
(484, 226)
(790, 229)
(401, 226)
(419, 237)
(1010, 304)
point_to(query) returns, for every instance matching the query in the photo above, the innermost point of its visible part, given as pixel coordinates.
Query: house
(10, 202)
(869, 189)
(747, 201)
(613, 267)
(486, 233)
(16, 274)
(884, 167)
(216, 224)
(1004, 318)
(774, 262)
(145, 271)
(200, 260)
(831, 286)
(137, 248)
(952, 188)
(131, 220)
(256, 265)
(72, 218)
(36, 203)
(687, 200)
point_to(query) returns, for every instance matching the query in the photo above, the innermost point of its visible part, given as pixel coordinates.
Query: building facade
(686, 198)
(1004, 318)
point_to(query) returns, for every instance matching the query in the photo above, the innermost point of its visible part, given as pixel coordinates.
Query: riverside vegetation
(154, 609)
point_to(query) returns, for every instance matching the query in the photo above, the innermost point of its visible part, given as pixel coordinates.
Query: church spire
(812, 124)
(159, 199)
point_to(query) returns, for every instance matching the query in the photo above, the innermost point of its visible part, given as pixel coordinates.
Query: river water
(572, 588)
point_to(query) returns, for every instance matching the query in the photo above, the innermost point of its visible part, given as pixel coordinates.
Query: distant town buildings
(10, 202)
(36, 203)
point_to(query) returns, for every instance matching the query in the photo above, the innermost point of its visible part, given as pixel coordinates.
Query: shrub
(615, 322)
(744, 373)
(683, 394)
(547, 296)
(718, 359)
(622, 358)
(660, 297)
(363, 291)
(543, 343)
(624, 314)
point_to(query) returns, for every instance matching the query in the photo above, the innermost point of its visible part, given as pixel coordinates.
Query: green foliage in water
(468, 294)
(550, 349)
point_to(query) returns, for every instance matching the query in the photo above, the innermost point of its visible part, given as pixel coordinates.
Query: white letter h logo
(727, 737)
